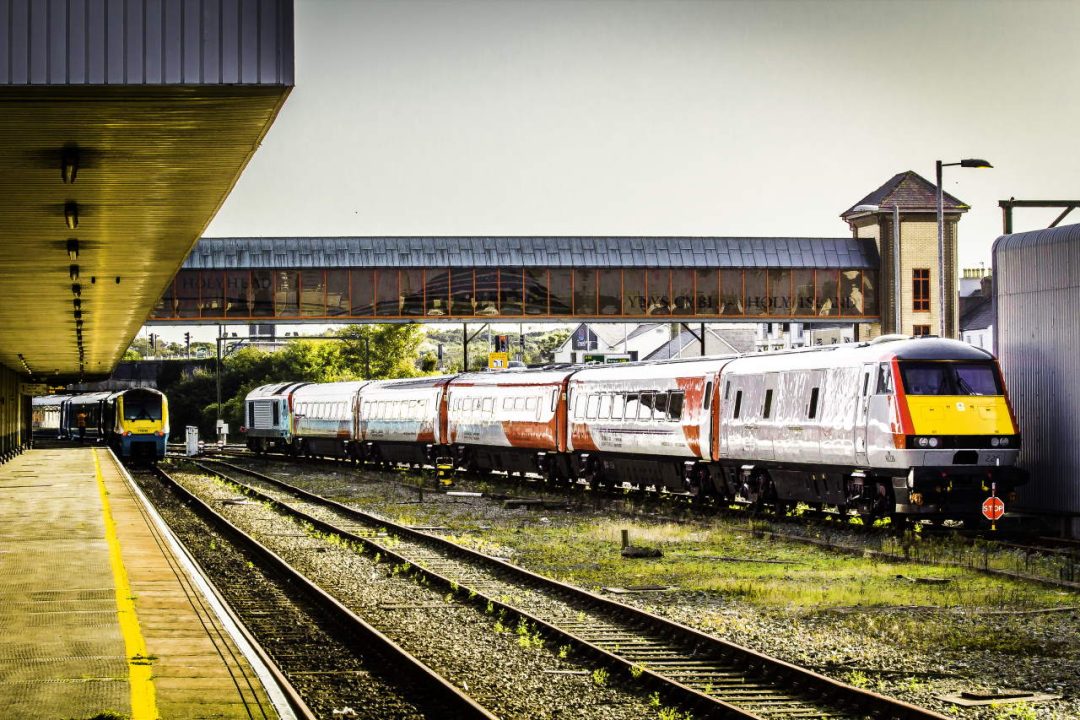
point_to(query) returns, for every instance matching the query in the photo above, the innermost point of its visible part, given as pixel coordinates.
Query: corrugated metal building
(1037, 277)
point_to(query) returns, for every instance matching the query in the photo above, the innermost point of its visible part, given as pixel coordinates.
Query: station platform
(98, 617)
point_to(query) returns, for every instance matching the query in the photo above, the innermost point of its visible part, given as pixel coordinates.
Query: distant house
(977, 308)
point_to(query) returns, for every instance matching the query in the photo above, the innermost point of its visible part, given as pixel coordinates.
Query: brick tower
(918, 293)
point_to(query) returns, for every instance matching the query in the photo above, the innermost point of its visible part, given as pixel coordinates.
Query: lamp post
(968, 163)
(895, 256)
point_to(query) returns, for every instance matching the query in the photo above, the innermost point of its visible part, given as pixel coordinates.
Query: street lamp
(895, 255)
(969, 163)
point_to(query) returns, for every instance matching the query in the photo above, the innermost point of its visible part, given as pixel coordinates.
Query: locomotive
(902, 427)
(134, 422)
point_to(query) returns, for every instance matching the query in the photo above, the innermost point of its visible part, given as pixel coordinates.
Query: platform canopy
(123, 127)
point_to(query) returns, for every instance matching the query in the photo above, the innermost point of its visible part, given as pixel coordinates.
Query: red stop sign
(993, 508)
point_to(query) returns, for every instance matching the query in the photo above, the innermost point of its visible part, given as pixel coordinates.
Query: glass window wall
(387, 300)
(536, 291)
(237, 294)
(362, 284)
(585, 291)
(312, 293)
(510, 292)
(732, 294)
(461, 287)
(659, 290)
(803, 283)
(337, 292)
(262, 284)
(757, 299)
(682, 292)
(827, 296)
(187, 294)
(610, 290)
(437, 292)
(707, 292)
(487, 292)
(560, 291)
(633, 283)
(780, 302)
(411, 289)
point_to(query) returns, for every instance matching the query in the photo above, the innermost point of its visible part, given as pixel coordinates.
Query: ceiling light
(73, 272)
(71, 214)
(69, 165)
(77, 303)
(73, 248)
(76, 289)
(78, 314)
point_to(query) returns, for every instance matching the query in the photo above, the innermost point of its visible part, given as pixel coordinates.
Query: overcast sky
(660, 118)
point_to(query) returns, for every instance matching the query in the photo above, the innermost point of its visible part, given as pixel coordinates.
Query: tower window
(920, 289)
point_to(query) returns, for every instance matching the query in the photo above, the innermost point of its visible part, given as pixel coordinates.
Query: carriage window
(605, 407)
(727, 390)
(594, 404)
(618, 402)
(554, 399)
(865, 383)
(519, 403)
(738, 403)
(708, 394)
(489, 405)
(660, 406)
(277, 413)
(507, 403)
(577, 407)
(645, 403)
(674, 409)
(812, 413)
(530, 403)
(632, 403)
(768, 404)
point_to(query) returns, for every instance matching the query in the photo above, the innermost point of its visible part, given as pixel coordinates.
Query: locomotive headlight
(994, 442)
(1003, 442)
(933, 442)
(923, 442)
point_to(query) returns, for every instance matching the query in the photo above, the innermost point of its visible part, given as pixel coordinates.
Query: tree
(544, 351)
(387, 351)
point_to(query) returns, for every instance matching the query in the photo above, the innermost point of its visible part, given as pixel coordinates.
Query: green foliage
(390, 351)
(600, 677)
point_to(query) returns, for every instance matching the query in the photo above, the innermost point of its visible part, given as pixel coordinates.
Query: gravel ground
(460, 643)
(868, 646)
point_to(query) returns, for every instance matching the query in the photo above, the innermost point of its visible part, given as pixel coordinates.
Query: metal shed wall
(1037, 293)
(167, 42)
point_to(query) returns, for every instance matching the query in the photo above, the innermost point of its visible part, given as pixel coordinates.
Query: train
(908, 428)
(133, 422)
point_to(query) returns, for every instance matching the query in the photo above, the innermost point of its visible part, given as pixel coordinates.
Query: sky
(607, 117)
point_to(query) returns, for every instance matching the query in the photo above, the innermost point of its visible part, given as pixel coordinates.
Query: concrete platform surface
(97, 615)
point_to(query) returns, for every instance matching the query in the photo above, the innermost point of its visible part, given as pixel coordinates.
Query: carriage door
(866, 387)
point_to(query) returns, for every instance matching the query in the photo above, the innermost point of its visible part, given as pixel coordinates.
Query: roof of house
(978, 313)
(909, 191)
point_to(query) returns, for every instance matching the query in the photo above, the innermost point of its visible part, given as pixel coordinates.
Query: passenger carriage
(325, 421)
(512, 421)
(403, 421)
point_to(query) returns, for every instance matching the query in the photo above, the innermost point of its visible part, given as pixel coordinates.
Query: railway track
(704, 674)
(1048, 561)
(340, 665)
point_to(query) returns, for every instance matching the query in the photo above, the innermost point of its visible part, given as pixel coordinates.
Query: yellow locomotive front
(141, 423)
(957, 434)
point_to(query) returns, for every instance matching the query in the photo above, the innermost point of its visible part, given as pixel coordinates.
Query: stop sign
(993, 508)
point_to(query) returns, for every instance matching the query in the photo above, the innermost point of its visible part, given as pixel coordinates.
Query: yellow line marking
(140, 670)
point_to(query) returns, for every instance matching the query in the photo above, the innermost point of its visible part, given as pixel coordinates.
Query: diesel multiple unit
(897, 426)
(135, 422)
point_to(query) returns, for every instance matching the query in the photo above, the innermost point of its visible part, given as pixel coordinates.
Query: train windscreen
(950, 378)
(142, 406)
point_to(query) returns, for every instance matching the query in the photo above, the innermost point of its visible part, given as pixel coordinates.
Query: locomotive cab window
(708, 394)
(738, 403)
(812, 411)
(767, 409)
(950, 378)
(884, 380)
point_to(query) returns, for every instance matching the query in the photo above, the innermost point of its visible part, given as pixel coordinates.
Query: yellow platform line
(140, 670)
